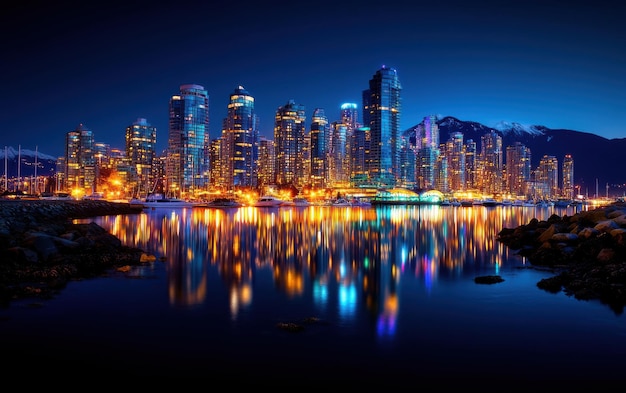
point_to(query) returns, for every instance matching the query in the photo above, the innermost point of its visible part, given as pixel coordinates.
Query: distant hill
(594, 157)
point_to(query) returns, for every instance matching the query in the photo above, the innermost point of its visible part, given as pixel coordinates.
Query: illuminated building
(141, 155)
(491, 160)
(381, 113)
(568, 177)
(188, 141)
(318, 136)
(80, 160)
(289, 131)
(267, 156)
(518, 168)
(239, 146)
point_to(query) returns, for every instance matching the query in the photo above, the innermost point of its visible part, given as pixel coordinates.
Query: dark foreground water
(385, 296)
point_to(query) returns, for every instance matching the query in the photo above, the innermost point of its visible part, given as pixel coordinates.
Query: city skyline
(542, 64)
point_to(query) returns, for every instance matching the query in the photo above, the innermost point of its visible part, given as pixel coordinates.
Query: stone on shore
(587, 251)
(42, 249)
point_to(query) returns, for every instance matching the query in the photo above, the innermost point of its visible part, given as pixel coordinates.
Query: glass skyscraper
(319, 136)
(188, 141)
(80, 161)
(381, 113)
(141, 155)
(239, 151)
(289, 132)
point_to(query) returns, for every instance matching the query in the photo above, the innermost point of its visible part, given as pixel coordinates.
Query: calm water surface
(386, 296)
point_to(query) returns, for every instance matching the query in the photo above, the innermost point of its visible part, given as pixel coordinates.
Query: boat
(300, 202)
(341, 202)
(223, 203)
(268, 201)
(155, 201)
(490, 202)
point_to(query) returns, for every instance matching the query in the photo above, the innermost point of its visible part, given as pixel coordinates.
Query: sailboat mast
(6, 173)
(35, 191)
(19, 167)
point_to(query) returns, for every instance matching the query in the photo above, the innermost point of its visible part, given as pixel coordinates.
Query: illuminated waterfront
(391, 288)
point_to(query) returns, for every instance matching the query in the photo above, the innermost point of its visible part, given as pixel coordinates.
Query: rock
(42, 249)
(591, 263)
(488, 279)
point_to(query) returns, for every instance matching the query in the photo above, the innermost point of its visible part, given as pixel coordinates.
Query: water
(385, 296)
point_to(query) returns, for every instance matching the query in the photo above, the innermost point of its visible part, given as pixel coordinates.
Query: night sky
(556, 64)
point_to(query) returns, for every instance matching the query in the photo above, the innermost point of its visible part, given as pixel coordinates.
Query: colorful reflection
(345, 258)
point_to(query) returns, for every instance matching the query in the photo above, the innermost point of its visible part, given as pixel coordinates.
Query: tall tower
(289, 131)
(141, 155)
(318, 135)
(518, 168)
(491, 160)
(80, 167)
(239, 151)
(381, 113)
(568, 177)
(188, 141)
(267, 155)
(548, 176)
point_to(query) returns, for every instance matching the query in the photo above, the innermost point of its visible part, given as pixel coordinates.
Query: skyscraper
(381, 113)
(141, 155)
(188, 141)
(239, 150)
(318, 135)
(568, 177)
(80, 168)
(289, 132)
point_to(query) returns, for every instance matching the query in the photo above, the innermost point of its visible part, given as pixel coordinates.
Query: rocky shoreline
(42, 250)
(586, 251)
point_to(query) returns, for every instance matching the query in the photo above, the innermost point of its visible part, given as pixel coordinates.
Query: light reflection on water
(392, 286)
(363, 252)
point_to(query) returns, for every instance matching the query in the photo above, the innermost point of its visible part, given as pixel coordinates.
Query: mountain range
(598, 161)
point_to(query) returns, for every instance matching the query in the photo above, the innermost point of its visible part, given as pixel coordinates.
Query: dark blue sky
(557, 64)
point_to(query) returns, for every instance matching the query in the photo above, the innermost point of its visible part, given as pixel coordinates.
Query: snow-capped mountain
(45, 163)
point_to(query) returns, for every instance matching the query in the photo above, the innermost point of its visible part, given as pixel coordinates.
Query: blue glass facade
(188, 142)
(381, 103)
(240, 141)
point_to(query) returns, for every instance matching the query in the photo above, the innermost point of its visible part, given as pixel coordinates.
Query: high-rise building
(239, 150)
(359, 156)
(491, 160)
(141, 155)
(518, 168)
(470, 164)
(568, 177)
(381, 113)
(188, 141)
(318, 136)
(547, 177)
(427, 152)
(267, 156)
(455, 154)
(338, 162)
(349, 117)
(289, 132)
(80, 161)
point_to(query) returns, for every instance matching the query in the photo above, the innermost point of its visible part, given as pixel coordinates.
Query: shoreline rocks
(41, 249)
(587, 251)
